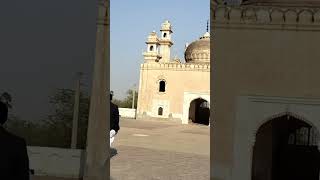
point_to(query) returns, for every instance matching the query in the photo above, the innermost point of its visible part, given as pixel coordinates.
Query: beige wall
(269, 59)
(179, 78)
(127, 112)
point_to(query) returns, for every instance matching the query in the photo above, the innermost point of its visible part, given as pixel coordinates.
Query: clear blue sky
(131, 23)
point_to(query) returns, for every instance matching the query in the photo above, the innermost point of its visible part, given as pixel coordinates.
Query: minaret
(165, 41)
(152, 55)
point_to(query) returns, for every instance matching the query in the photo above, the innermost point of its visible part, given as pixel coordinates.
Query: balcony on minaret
(152, 55)
(165, 41)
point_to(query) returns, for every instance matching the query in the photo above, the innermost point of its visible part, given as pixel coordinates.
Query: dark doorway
(199, 111)
(286, 149)
(160, 111)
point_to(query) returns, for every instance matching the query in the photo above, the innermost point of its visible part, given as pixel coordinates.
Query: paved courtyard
(152, 150)
(158, 150)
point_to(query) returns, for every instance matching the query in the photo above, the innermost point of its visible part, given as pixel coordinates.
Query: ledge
(175, 66)
(267, 17)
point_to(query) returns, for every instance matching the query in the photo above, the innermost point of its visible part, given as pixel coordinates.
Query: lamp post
(76, 113)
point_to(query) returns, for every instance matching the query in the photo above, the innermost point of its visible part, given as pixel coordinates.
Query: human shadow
(113, 152)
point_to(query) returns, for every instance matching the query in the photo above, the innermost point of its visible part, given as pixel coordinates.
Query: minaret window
(162, 86)
(164, 35)
(160, 111)
(151, 48)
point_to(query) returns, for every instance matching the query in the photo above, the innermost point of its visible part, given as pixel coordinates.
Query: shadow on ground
(113, 152)
(52, 178)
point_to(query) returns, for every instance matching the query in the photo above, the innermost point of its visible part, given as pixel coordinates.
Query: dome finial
(207, 25)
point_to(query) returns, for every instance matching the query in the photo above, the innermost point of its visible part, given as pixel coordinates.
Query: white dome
(199, 50)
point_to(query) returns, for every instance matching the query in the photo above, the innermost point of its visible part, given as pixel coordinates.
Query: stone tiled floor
(159, 150)
(169, 151)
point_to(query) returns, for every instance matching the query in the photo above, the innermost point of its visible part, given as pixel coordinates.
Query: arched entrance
(199, 111)
(286, 148)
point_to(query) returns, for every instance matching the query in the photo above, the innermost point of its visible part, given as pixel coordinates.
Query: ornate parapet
(175, 66)
(266, 17)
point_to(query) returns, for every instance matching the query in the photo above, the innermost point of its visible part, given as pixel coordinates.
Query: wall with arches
(265, 51)
(254, 111)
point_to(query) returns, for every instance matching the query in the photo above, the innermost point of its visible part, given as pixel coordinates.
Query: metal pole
(76, 114)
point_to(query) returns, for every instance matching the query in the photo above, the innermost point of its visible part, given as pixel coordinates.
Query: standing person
(114, 119)
(14, 161)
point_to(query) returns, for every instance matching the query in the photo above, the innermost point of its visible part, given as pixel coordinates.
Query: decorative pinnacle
(207, 25)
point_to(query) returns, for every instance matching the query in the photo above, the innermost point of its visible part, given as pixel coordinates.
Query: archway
(199, 111)
(286, 148)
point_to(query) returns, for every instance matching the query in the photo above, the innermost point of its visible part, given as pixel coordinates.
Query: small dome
(152, 38)
(166, 26)
(199, 50)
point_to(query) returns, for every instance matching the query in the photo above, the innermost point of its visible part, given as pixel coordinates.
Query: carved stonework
(266, 15)
(220, 13)
(316, 17)
(234, 15)
(277, 16)
(249, 15)
(263, 16)
(291, 16)
(305, 17)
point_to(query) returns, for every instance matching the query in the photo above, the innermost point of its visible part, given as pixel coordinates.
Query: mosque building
(266, 91)
(171, 89)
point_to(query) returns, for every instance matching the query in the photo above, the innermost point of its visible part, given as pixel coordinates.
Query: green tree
(60, 122)
(127, 102)
(56, 129)
(33, 132)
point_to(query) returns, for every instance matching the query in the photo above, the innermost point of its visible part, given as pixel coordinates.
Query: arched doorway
(286, 148)
(199, 111)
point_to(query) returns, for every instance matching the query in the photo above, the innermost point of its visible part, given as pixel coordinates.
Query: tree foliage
(56, 129)
(60, 121)
(35, 134)
(127, 102)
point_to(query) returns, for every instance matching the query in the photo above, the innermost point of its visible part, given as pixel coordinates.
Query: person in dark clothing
(14, 161)
(3, 112)
(114, 119)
